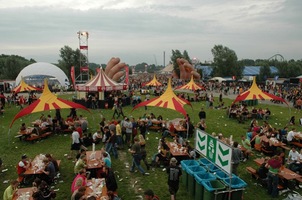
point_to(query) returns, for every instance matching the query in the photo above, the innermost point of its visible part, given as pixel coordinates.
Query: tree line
(225, 64)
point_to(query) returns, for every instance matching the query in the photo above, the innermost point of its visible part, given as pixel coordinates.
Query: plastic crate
(235, 183)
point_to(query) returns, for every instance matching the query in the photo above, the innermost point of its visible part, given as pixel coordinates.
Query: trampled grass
(130, 185)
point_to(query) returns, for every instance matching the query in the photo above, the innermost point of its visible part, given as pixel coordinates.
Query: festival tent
(167, 100)
(47, 101)
(191, 86)
(154, 82)
(100, 83)
(24, 87)
(255, 93)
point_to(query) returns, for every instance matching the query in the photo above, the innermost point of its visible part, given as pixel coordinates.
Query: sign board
(214, 150)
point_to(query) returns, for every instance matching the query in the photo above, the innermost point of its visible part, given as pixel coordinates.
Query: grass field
(131, 186)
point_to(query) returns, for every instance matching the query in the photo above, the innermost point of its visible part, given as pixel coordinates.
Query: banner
(127, 75)
(72, 75)
(214, 150)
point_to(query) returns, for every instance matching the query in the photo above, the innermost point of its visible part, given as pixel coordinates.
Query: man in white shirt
(293, 157)
(75, 145)
(291, 135)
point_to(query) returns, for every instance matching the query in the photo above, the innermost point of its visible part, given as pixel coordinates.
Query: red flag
(127, 75)
(72, 75)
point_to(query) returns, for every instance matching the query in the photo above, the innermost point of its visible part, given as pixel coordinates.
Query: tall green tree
(265, 72)
(225, 62)
(69, 58)
(11, 65)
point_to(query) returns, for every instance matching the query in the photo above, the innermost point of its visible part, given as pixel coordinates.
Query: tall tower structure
(84, 62)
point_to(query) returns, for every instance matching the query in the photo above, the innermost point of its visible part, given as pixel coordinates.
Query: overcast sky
(141, 30)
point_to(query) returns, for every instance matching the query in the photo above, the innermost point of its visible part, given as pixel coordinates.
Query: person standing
(174, 172)
(75, 144)
(136, 157)
(273, 165)
(237, 155)
(128, 126)
(202, 114)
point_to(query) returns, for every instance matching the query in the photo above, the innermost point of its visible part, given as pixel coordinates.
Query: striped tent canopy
(47, 101)
(154, 82)
(255, 93)
(191, 86)
(22, 87)
(101, 82)
(167, 100)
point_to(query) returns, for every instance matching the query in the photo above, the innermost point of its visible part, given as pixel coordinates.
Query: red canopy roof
(47, 101)
(255, 93)
(24, 87)
(153, 82)
(191, 86)
(101, 82)
(167, 100)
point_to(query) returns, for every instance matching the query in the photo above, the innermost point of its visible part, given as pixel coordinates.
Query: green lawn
(131, 186)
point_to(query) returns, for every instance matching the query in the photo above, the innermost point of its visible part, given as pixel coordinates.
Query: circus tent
(167, 100)
(191, 86)
(255, 93)
(24, 87)
(100, 83)
(154, 82)
(47, 101)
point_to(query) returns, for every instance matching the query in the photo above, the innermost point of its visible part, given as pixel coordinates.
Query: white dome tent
(40, 70)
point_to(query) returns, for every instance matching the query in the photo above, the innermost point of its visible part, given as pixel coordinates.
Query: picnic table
(284, 172)
(97, 188)
(37, 165)
(94, 159)
(176, 150)
(24, 192)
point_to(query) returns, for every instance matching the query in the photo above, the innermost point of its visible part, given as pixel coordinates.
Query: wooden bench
(45, 134)
(19, 136)
(299, 179)
(253, 172)
(296, 144)
(154, 128)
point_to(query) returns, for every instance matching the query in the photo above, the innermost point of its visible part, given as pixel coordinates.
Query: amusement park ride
(83, 77)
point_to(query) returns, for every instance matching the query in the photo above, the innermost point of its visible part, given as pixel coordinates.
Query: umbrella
(255, 93)
(191, 86)
(47, 101)
(153, 82)
(24, 87)
(167, 100)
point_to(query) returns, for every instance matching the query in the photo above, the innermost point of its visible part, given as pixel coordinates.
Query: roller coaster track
(278, 57)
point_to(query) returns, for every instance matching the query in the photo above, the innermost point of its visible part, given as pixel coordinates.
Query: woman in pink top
(79, 180)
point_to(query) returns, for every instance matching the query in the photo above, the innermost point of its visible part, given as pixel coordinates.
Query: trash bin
(191, 170)
(184, 164)
(210, 187)
(212, 168)
(222, 175)
(204, 161)
(235, 183)
(199, 178)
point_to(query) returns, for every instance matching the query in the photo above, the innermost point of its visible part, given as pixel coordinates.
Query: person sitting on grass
(149, 195)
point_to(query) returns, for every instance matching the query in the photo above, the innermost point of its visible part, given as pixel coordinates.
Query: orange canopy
(153, 82)
(24, 87)
(167, 100)
(191, 86)
(47, 101)
(255, 93)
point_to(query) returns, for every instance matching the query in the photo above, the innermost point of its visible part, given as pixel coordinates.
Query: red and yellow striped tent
(191, 86)
(24, 87)
(167, 100)
(154, 82)
(255, 93)
(47, 101)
